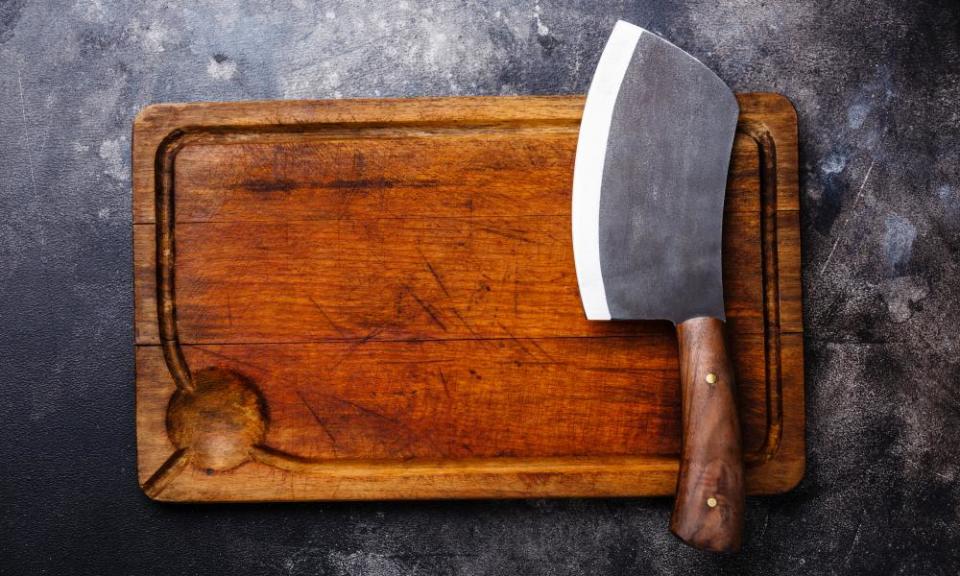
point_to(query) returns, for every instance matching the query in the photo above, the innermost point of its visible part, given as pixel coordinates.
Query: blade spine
(588, 168)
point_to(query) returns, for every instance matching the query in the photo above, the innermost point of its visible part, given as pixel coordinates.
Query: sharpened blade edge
(588, 169)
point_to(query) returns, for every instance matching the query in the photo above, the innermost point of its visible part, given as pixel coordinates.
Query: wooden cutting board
(376, 299)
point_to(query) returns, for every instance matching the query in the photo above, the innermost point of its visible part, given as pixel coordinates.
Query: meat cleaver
(648, 188)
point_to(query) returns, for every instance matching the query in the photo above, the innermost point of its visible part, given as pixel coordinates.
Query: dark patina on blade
(663, 186)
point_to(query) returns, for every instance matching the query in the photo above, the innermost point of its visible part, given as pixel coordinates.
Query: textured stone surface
(877, 87)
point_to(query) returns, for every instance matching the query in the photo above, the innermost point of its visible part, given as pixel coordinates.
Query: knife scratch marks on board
(532, 342)
(516, 340)
(511, 234)
(229, 359)
(464, 322)
(446, 386)
(843, 226)
(365, 410)
(327, 317)
(320, 422)
(439, 280)
(429, 310)
(410, 434)
(433, 271)
(370, 335)
(349, 351)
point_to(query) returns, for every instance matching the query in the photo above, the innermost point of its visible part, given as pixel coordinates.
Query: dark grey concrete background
(877, 87)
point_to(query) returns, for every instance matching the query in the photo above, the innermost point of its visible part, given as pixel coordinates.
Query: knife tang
(708, 510)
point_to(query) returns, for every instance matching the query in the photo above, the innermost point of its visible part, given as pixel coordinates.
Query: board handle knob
(708, 510)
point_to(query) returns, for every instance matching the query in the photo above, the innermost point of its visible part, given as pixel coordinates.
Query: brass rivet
(711, 378)
(712, 502)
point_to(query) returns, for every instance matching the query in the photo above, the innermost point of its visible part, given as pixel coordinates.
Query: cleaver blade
(648, 190)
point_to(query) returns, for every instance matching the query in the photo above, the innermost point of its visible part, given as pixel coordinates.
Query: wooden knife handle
(708, 511)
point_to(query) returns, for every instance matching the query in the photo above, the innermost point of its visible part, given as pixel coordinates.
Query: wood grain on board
(377, 299)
